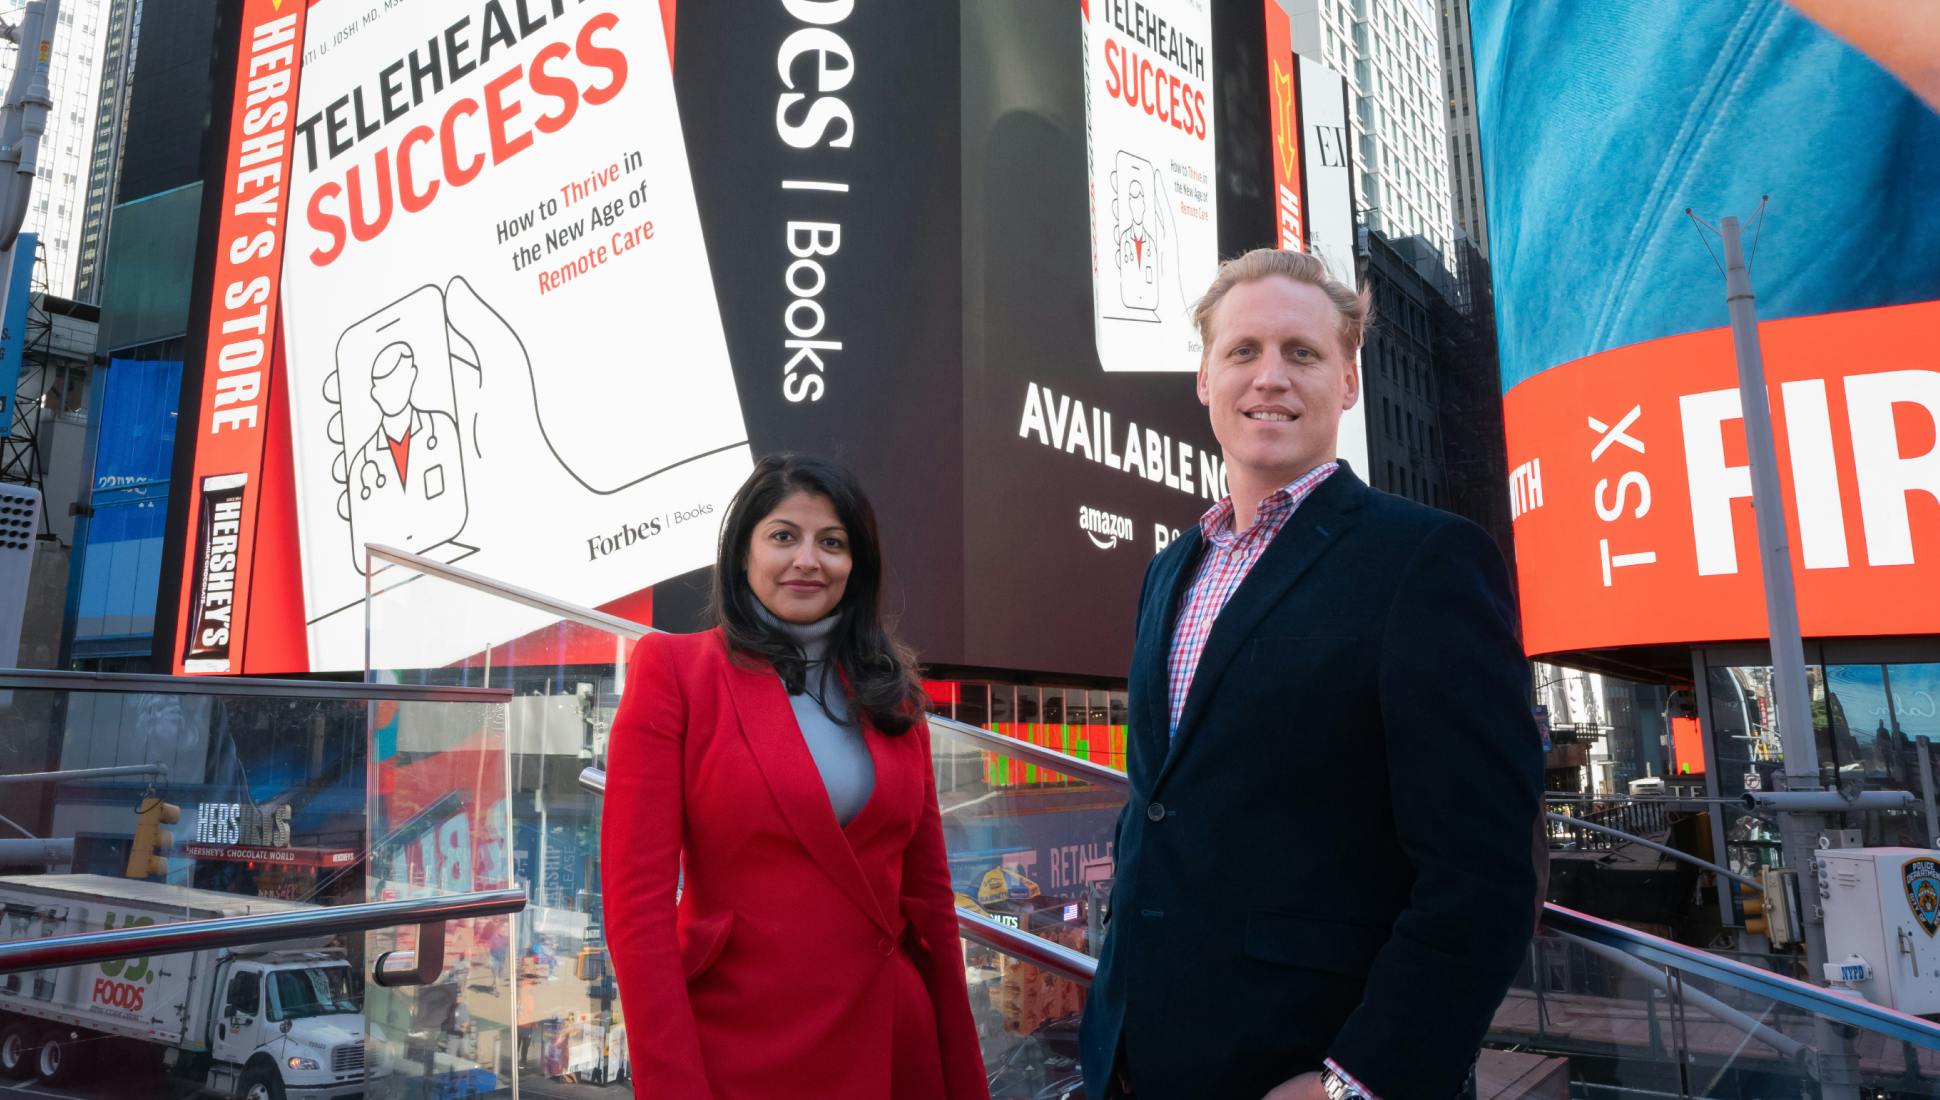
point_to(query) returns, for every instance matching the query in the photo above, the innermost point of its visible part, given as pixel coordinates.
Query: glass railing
(1600, 1010)
(1030, 835)
(166, 806)
(564, 667)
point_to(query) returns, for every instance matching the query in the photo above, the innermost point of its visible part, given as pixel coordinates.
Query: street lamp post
(1838, 1065)
(23, 120)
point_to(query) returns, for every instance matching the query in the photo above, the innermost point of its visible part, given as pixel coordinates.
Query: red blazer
(804, 958)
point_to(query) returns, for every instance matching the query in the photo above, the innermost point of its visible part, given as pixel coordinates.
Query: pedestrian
(1325, 877)
(777, 768)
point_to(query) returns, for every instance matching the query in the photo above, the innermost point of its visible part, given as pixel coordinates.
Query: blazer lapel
(1313, 528)
(1153, 651)
(768, 722)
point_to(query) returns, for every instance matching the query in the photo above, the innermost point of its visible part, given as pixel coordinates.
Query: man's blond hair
(1353, 307)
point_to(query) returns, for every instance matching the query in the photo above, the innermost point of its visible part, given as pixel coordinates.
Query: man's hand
(1304, 1087)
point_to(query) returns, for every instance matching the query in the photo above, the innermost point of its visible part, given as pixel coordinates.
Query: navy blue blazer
(1333, 857)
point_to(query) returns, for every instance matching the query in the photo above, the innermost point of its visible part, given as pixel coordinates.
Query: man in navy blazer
(1325, 878)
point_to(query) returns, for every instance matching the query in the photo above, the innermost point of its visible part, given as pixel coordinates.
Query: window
(322, 991)
(245, 995)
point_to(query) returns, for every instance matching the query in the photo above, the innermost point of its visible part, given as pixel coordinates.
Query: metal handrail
(465, 578)
(1073, 766)
(143, 683)
(1741, 976)
(1023, 750)
(255, 928)
(594, 779)
(76, 775)
(1652, 948)
(1036, 950)
(1641, 945)
(1660, 979)
(1075, 966)
(1665, 849)
(586, 616)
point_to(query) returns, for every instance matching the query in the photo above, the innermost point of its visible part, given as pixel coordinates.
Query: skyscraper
(1464, 148)
(110, 127)
(1391, 52)
(66, 150)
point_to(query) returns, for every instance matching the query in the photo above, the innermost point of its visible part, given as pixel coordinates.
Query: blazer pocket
(702, 942)
(1312, 943)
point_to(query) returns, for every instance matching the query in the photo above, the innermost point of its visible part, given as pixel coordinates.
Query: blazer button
(1155, 812)
(885, 947)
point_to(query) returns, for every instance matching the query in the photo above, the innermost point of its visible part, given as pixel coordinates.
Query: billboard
(1085, 447)
(451, 230)
(19, 293)
(1154, 210)
(524, 287)
(1327, 171)
(1629, 484)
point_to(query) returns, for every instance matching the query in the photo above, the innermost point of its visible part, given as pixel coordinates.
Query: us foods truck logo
(1104, 529)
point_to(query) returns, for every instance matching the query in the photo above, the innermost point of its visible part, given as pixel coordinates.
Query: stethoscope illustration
(369, 473)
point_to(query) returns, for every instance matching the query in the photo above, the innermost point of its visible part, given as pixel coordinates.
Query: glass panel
(566, 678)
(1916, 699)
(1750, 755)
(1874, 754)
(171, 806)
(1030, 847)
(440, 817)
(1860, 717)
(1587, 1020)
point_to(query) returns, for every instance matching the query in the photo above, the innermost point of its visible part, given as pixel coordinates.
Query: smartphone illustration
(403, 461)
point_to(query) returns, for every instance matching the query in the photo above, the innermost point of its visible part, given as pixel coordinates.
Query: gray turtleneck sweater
(837, 744)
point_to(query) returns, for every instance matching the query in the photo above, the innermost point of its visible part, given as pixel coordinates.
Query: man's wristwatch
(1340, 1088)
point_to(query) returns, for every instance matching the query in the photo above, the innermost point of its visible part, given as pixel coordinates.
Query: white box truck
(265, 1022)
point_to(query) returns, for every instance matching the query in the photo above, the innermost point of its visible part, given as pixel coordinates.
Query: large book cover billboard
(469, 236)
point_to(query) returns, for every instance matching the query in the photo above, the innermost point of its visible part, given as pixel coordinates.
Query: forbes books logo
(1104, 529)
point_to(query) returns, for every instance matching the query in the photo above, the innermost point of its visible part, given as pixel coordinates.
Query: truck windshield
(316, 991)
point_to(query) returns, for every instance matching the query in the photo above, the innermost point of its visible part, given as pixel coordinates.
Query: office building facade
(110, 130)
(1391, 53)
(1464, 131)
(66, 149)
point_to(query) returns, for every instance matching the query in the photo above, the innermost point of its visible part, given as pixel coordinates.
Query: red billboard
(1628, 473)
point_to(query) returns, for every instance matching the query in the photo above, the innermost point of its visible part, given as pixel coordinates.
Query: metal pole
(1926, 790)
(35, 850)
(1665, 849)
(1838, 1063)
(75, 774)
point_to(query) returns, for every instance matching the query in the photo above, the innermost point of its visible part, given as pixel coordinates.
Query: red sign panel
(1284, 122)
(232, 423)
(1632, 495)
(294, 857)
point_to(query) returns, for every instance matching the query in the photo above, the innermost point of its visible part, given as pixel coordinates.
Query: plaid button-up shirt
(1230, 555)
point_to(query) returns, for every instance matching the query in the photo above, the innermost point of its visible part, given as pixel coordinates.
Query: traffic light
(150, 836)
(1754, 904)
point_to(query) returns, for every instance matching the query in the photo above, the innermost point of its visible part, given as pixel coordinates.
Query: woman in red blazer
(778, 904)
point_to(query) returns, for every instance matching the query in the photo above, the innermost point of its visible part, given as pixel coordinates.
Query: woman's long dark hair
(880, 670)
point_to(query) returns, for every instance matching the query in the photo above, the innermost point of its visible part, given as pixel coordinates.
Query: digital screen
(525, 288)
(1629, 480)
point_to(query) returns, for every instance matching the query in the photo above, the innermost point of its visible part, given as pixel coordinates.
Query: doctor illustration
(407, 481)
(1137, 241)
